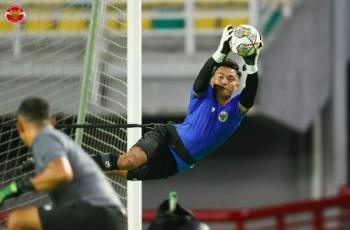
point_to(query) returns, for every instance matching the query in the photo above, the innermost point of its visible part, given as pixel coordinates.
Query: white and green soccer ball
(245, 40)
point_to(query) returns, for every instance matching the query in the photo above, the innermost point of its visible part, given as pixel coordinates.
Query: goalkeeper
(213, 116)
(80, 192)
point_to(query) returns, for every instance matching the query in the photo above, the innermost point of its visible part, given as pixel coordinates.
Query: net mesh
(44, 56)
(107, 92)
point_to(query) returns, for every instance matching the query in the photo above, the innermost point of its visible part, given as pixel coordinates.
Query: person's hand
(16, 188)
(8, 191)
(27, 165)
(224, 46)
(252, 60)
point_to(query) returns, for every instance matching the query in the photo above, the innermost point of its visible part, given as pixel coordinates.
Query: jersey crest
(223, 115)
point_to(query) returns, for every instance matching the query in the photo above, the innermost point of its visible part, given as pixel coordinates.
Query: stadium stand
(156, 15)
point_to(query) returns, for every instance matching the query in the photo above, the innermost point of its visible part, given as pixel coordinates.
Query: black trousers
(82, 216)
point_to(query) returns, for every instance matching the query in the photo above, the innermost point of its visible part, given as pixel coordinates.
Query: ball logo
(223, 115)
(15, 14)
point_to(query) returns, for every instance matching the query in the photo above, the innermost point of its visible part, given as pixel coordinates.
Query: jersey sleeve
(202, 82)
(47, 148)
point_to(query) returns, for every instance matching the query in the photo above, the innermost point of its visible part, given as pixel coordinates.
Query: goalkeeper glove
(106, 161)
(16, 188)
(252, 60)
(224, 47)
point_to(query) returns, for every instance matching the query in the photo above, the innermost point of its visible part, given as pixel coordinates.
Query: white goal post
(134, 104)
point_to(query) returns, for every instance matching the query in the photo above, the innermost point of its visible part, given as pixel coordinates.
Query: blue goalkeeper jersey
(207, 125)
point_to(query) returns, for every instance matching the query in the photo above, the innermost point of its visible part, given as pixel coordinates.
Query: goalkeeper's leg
(159, 168)
(149, 158)
(134, 158)
(148, 148)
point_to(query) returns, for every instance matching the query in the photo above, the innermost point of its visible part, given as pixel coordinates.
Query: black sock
(106, 161)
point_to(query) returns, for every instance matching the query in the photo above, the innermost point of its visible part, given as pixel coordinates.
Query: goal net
(73, 54)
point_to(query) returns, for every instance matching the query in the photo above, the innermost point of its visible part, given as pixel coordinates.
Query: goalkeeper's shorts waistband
(177, 144)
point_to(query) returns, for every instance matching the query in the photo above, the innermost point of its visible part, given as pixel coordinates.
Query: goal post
(96, 42)
(134, 101)
(86, 78)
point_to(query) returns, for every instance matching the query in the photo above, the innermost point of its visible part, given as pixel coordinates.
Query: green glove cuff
(16, 188)
(8, 191)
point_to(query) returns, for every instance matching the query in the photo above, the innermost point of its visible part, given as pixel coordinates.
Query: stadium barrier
(327, 213)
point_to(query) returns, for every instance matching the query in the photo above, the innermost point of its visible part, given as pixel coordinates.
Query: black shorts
(161, 163)
(82, 216)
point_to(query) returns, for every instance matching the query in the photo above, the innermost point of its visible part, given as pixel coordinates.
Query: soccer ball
(245, 40)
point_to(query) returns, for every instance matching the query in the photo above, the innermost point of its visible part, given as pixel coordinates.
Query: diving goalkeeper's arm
(247, 97)
(202, 81)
